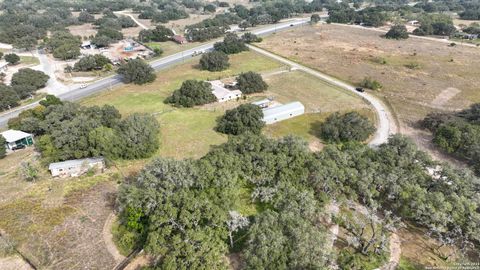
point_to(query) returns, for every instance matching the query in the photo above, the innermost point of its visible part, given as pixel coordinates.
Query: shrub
(192, 93)
(251, 38)
(12, 58)
(214, 61)
(244, 118)
(251, 82)
(347, 127)
(137, 71)
(231, 44)
(397, 31)
(370, 83)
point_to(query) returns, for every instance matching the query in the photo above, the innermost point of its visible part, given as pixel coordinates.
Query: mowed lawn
(315, 94)
(319, 98)
(184, 132)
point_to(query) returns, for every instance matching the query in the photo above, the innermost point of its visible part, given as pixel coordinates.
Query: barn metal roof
(74, 163)
(283, 109)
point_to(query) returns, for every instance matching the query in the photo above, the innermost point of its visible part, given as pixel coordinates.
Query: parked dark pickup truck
(360, 89)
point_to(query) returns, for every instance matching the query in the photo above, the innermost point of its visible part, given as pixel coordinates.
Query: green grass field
(319, 98)
(184, 132)
(315, 94)
(29, 60)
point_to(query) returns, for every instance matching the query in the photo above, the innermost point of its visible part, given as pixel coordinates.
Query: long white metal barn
(283, 112)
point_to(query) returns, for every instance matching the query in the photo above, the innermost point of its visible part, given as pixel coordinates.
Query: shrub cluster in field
(457, 133)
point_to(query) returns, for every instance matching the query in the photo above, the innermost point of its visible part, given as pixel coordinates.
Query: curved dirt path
(386, 122)
(108, 239)
(133, 18)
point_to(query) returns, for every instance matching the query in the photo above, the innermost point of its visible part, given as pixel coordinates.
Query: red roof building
(179, 39)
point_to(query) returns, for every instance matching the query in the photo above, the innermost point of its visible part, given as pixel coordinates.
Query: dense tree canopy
(347, 127)
(244, 118)
(214, 61)
(458, 133)
(397, 32)
(159, 33)
(251, 82)
(251, 38)
(8, 97)
(435, 24)
(64, 45)
(69, 131)
(171, 202)
(192, 93)
(12, 58)
(91, 62)
(26, 81)
(231, 44)
(137, 71)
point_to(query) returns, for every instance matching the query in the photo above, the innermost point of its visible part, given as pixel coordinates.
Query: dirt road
(386, 123)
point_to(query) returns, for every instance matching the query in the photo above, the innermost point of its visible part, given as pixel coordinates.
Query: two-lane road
(165, 62)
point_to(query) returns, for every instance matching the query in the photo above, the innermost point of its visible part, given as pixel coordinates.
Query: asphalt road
(165, 62)
(385, 121)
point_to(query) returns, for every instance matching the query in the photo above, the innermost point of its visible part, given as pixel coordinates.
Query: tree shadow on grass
(316, 129)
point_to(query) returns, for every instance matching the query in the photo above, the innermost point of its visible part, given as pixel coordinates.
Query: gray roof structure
(74, 163)
(282, 109)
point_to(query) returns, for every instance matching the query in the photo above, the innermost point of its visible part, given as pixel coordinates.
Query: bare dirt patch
(445, 96)
(83, 30)
(14, 263)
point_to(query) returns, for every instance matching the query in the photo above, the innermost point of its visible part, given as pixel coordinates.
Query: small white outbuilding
(283, 112)
(76, 167)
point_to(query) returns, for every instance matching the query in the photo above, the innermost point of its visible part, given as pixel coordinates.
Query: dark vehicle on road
(360, 89)
(18, 147)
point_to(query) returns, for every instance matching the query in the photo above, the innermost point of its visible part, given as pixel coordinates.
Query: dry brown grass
(351, 54)
(83, 30)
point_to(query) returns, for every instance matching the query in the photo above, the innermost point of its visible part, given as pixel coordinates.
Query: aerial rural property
(235, 134)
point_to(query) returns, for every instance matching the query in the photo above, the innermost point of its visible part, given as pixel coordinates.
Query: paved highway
(165, 62)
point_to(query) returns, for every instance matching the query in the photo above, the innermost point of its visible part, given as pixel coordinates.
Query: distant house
(16, 138)
(179, 39)
(86, 45)
(76, 167)
(223, 94)
(283, 112)
(3, 66)
(414, 23)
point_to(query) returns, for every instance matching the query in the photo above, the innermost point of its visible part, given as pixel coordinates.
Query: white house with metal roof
(76, 167)
(282, 112)
(16, 137)
(223, 94)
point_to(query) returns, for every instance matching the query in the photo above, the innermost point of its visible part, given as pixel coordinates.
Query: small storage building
(76, 167)
(16, 138)
(283, 112)
(264, 103)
